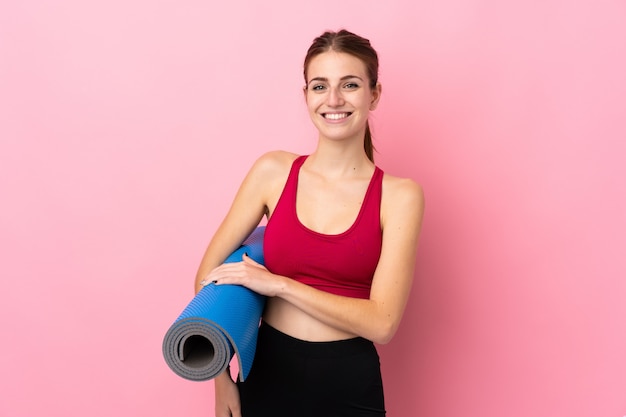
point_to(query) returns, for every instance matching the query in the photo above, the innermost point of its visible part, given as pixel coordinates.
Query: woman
(339, 248)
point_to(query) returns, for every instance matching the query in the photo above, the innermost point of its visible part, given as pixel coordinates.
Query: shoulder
(398, 190)
(402, 200)
(270, 171)
(273, 163)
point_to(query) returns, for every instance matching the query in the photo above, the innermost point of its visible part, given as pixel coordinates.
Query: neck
(337, 159)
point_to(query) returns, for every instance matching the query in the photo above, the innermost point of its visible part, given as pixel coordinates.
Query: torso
(323, 206)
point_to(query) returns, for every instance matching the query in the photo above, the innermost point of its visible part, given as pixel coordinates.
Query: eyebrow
(324, 79)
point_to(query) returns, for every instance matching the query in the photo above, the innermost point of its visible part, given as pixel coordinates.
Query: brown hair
(348, 42)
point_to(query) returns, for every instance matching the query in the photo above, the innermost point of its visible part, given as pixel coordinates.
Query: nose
(335, 98)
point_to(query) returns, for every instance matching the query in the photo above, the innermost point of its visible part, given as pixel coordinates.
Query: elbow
(384, 333)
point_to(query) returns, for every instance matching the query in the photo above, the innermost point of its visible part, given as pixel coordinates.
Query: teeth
(335, 116)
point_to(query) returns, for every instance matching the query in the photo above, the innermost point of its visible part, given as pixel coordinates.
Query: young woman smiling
(339, 247)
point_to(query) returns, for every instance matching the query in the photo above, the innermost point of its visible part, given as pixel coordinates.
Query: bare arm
(246, 211)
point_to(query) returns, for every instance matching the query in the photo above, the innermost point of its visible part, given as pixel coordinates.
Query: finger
(247, 259)
(221, 271)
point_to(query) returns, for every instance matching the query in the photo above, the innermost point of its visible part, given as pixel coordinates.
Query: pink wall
(126, 126)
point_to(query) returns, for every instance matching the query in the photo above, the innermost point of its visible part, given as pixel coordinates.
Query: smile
(335, 116)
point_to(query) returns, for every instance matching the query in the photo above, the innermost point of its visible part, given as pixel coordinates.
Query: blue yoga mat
(219, 322)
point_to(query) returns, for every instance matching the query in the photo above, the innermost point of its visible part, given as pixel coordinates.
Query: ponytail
(368, 144)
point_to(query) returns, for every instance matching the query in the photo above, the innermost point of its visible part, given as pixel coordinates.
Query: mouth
(336, 116)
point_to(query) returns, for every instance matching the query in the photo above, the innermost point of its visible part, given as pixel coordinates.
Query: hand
(247, 273)
(227, 402)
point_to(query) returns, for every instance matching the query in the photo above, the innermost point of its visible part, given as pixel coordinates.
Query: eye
(318, 87)
(351, 86)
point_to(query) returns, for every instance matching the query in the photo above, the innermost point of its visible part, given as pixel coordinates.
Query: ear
(304, 92)
(376, 93)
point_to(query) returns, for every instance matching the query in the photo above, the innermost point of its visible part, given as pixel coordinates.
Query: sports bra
(341, 264)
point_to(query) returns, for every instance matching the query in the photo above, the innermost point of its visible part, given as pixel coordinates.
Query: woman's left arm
(376, 318)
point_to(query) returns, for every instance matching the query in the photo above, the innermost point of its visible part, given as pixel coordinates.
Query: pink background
(126, 127)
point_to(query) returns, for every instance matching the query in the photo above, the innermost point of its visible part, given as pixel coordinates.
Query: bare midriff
(294, 322)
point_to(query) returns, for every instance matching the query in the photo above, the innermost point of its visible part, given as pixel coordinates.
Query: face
(338, 95)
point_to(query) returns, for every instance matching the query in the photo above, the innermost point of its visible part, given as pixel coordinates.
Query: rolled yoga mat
(220, 321)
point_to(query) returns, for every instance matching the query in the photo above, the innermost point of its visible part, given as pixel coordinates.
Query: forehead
(334, 65)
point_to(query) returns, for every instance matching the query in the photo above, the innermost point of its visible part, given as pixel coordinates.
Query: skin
(332, 184)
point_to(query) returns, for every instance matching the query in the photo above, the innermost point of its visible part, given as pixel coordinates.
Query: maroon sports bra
(341, 264)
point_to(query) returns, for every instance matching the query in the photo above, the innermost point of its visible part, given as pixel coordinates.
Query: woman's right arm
(263, 182)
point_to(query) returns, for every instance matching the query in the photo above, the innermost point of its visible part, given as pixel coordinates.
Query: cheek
(312, 102)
